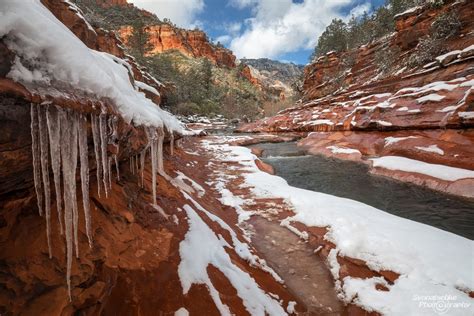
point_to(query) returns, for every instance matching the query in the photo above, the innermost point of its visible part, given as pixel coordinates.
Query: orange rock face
(409, 29)
(452, 148)
(101, 40)
(132, 265)
(432, 102)
(246, 72)
(436, 95)
(193, 43)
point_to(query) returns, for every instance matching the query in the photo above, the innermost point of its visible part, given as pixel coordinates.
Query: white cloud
(282, 26)
(224, 39)
(181, 12)
(241, 4)
(233, 28)
(360, 9)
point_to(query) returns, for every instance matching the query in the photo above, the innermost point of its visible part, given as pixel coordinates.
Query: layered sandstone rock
(277, 79)
(101, 40)
(131, 265)
(434, 96)
(193, 43)
(364, 72)
(248, 72)
(450, 148)
(421, 101)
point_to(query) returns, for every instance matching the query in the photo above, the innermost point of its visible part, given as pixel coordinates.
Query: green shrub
(387, 58)
(428, 48)
(446, 25)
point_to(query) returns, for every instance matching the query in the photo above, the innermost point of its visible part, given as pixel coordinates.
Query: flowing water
(305, 273)
(352, 180)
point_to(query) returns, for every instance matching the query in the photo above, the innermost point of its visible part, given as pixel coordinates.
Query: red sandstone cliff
(101, 40)
(131, 265)
(363, 98)
(249, 73)
(193, 43)
(356, 107)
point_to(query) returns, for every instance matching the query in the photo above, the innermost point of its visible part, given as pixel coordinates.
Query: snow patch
(432, 149)
(392, 140)
(434, 97)
(433, 170)
(430, 260)
(466, 115)
(58, 58)
(146, 87)
(341, 150)
(383, 123)
(201, 248)
(181, 312)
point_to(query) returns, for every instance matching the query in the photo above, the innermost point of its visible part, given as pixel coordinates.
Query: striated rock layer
(193, 43)
(371, 102)
(128, 248)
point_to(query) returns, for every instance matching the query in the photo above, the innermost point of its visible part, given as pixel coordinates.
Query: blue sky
(285, 30)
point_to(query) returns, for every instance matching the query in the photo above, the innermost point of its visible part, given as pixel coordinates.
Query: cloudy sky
(285, 30)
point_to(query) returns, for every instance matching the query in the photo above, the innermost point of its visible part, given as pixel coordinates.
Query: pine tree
(139, 41)
(334, 38)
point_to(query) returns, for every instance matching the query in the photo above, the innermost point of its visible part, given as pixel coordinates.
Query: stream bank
(353, 180)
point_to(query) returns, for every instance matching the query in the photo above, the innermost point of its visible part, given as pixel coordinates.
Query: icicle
(97, 148)
(69, 172)
(152, 142)
(84, 156)
(103, 144)
(161, 137)
(136, 163)
(54, 143)
(171, 142)
(109, 165)
(114, 140)
(44, 150)
(35, 148)
(117, 167)
(142, 164)
(132, 164)
(73, 125)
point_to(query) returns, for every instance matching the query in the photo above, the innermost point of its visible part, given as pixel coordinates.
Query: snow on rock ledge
(383, 241)
(58, 60)
(433, 170)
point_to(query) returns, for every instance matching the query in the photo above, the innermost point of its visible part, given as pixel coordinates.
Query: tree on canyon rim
(139, 40)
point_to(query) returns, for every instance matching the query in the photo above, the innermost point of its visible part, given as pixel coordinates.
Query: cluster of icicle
(58, 136)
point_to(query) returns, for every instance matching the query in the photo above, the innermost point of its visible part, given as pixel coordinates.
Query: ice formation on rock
(61, 136)
(54, 132)
(35, 149)
(132, 164)
(113, 139)
(161, 137)
(69, 180)
(84, 158)
(171, 142)
(97, 149)
(103, 149)
(44, 151)
(142, 165)
(153, 143)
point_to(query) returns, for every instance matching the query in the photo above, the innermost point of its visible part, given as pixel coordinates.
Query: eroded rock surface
(359, 108)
